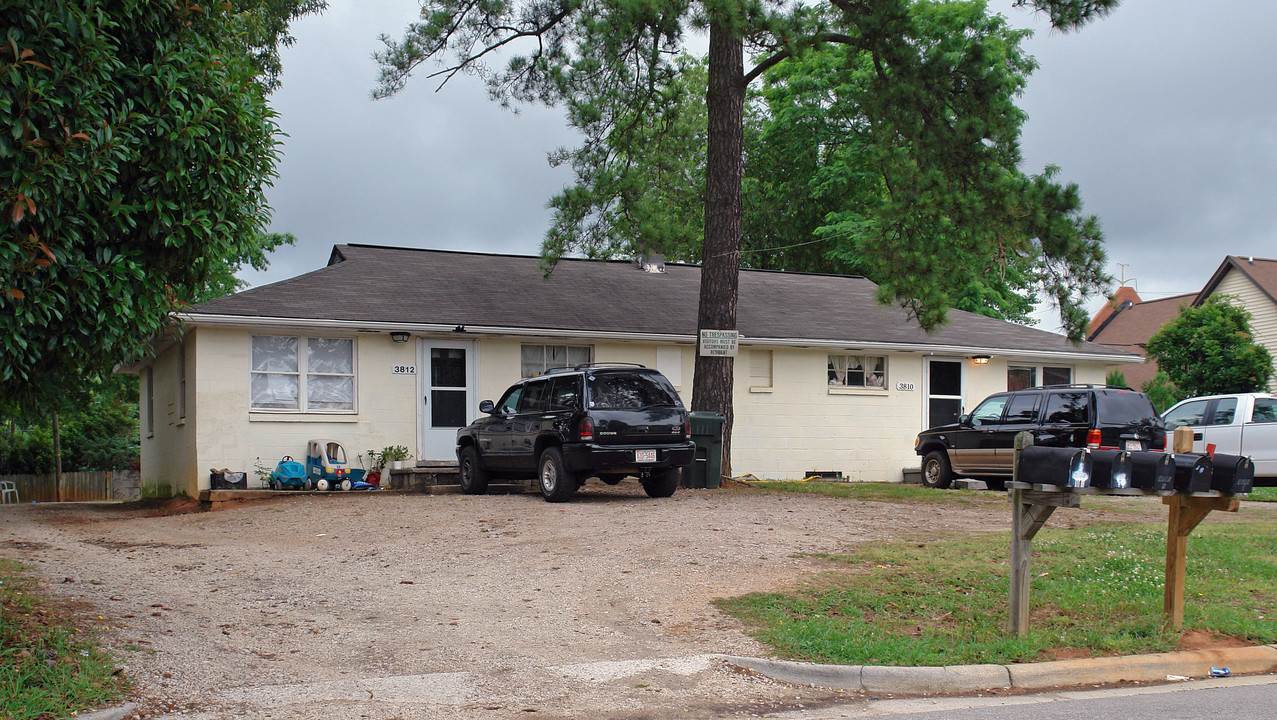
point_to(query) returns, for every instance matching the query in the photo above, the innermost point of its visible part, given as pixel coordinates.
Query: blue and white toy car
(327, 468)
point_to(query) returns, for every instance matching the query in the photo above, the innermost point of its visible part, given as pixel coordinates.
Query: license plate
(1133, 446)
(645, 456)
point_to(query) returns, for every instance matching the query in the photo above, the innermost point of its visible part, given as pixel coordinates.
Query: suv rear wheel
(474, 477)
(557, 484)
(935, 470)
(662, 483)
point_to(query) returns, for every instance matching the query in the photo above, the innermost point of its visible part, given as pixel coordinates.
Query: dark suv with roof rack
(608, 421)
(981, 444)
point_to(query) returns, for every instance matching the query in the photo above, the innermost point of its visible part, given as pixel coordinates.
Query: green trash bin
(706, 469)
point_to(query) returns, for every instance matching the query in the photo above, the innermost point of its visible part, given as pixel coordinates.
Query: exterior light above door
(980, 359)
(399, 336)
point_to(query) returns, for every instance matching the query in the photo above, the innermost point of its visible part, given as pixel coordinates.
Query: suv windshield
(631, 391)
(1125, 408)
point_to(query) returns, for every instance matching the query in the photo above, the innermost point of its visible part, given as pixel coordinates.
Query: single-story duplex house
(397, 346)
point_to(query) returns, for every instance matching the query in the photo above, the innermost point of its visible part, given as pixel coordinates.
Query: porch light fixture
(980, 359)
(399, 336)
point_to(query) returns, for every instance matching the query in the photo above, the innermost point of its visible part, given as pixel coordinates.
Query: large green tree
(1209, 350)
(138, 146)
(611, 62)
(819, 177)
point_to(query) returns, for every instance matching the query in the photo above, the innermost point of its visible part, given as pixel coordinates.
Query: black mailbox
(1153, 471)
(1111, 469)
(1064, 467)
(1192, 473)
(1232, 474)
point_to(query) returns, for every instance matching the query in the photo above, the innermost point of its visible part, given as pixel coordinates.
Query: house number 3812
(403, 370)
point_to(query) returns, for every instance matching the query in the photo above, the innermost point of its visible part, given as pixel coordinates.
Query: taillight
(1093, 439)
(586, 429)
(687, 428)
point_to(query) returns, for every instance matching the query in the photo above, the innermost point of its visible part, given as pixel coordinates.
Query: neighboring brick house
(394, 346)
(1127, 323)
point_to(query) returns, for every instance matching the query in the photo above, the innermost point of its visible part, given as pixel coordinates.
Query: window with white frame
(303, 374)
(536, 359)
(858, 371)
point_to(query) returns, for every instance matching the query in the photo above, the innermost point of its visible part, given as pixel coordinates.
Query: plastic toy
(289, 475)
(327, 468)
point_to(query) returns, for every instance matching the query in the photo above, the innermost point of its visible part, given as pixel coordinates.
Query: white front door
(447, 395)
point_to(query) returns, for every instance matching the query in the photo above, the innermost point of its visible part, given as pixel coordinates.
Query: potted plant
(396, 456)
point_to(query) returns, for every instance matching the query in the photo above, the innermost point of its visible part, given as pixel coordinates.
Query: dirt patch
(163, 507)
(123, 545)
(1202, 640)
(22, 545)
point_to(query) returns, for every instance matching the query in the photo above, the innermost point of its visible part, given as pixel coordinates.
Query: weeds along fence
(76, 486)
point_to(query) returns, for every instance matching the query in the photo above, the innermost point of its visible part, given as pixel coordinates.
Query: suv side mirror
(965, 420)
(486, 407)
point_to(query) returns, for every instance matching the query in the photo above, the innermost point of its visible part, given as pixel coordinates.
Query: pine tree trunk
(57, 455)
(720, 262)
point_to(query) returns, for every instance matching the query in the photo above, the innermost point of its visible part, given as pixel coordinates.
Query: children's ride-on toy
(289, 475)
(327, 468)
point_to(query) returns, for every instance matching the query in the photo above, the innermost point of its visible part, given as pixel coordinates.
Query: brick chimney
(1125, 295)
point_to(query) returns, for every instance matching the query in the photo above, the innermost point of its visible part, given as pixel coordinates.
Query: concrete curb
(114, 713)
(1024, 676)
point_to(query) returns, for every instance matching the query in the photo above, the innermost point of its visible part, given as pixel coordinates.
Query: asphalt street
(1241, 698)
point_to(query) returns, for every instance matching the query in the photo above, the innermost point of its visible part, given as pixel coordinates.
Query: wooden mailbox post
(1184, 514)
(1031, 507)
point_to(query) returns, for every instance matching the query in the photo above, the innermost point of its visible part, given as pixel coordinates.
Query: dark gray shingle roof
(413, 286)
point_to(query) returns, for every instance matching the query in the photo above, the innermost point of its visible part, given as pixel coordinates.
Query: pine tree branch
(783, 55)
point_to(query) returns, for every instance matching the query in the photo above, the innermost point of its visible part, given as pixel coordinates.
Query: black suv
(570, 424)
(981, 444)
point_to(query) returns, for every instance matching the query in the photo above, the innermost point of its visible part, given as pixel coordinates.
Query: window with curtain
(536, 359)
(865, 371)
(303, 374)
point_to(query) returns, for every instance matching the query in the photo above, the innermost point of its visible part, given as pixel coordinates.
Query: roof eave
(281, 323)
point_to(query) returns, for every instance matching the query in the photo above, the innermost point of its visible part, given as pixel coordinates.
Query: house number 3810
(403, 370)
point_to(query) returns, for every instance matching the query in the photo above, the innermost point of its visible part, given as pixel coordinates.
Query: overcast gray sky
(1165, 114)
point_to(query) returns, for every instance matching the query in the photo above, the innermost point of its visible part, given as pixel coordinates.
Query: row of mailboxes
(1120, 470)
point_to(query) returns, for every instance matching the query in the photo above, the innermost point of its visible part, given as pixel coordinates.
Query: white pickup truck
(1240, 424)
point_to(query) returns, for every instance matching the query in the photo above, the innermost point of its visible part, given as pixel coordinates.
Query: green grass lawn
(885, 492)
(1096, 590)
(49, 666)
(1264, 494)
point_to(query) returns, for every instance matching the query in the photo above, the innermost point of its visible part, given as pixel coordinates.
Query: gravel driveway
(384, 605)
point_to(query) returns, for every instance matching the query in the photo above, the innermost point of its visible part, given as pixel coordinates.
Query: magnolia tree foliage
(616, 65)
(138, 145)
(1209, 350)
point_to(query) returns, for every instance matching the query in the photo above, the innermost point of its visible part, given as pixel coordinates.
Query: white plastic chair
(7, 488)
